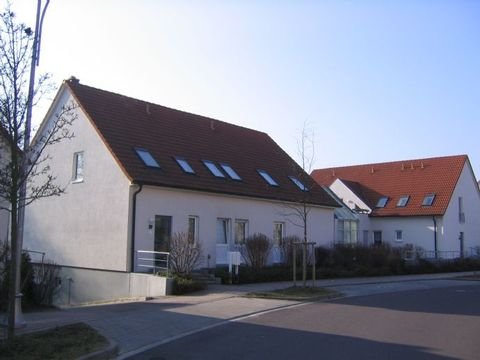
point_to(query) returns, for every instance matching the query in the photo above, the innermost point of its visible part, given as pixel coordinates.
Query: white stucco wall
(261, 215)
(466, 188)
(88, 225)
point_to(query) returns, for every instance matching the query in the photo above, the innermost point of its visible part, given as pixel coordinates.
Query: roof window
(428, 200)
(185, 165)
(382, 202)
(229, 170)
(213, 168)
(147, 158)
(266, 176)
(402, 202)
(297, 182)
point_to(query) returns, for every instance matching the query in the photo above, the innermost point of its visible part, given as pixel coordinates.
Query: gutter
(435, 246)
(134, 217)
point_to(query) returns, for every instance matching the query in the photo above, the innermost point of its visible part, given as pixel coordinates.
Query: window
(213, 168)
(382, 202)
(193, 229)
(147, 158)
(223, 231)
(428, 200)
(278, 233)
(185, 165)
(377, 237)
(347, 231)
(229, 170)
(78, 165)
(266, 176)
(241, 230)
(398, 235)
(298, 183)
(402, 202)
(461, 214)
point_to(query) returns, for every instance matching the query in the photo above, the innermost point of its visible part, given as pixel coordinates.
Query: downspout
(134, 216)
(435, 236)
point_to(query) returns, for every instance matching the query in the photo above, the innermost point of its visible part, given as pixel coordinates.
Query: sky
(371, 81)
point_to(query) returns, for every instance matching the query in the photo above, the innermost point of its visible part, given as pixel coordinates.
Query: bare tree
(24, 173)
(256, 250)
(297, 213)
(184, 254)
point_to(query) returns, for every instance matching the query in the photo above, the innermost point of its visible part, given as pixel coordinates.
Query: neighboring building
(430, 203)
(137, 172)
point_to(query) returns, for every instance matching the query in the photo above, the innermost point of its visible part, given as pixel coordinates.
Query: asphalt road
(436, 323)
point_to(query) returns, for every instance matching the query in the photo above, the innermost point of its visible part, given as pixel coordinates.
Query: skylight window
(266, 176)
(297, 182)
(428, 200)
(382, 202)
(229, 170)
(147, 158)
(185, 165)
(402, 202)
(213, 168)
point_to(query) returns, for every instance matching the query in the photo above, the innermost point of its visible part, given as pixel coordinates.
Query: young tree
(24, 173)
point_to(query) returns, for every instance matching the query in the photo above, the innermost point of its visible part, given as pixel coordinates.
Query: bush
(286, 249)
(256, 250)
(183, 285)
(184, 254)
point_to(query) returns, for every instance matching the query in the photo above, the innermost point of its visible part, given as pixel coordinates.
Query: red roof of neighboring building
(414, 178)
(125, 124)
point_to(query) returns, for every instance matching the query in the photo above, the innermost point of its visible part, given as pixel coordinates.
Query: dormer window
(147, 158)
(297, 182)
(382, 202)
(185, 165)
(402, 202)
(230, 172)
(266, 176)
(428, 200)
(213, 168)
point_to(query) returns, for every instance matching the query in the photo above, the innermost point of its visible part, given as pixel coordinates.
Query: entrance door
(163, 232)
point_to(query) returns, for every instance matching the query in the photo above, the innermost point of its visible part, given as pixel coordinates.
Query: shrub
(184, 285)
(256, 250)
(184, 254)
(286, 249)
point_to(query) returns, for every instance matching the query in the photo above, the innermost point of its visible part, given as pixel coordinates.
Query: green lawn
(66, 342)
(297, 293)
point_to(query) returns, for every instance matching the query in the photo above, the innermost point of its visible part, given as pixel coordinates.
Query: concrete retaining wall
(82, 286)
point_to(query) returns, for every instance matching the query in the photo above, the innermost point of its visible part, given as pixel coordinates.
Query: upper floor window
(382, 202)
(185, 165)
(266, 176)
(230, 171)
(78, 166)
(213, 168)
(147, 158)
(428, 200)
(297, 182)
(402, 202)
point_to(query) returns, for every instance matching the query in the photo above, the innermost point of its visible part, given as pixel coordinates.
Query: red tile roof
(415, 178)
(125, 123)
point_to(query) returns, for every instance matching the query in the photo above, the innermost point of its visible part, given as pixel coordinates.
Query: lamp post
(15, 316)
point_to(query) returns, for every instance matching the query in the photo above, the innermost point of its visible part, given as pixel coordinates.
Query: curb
(110, 352)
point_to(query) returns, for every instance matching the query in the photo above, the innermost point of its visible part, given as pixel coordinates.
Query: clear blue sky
(376, 80)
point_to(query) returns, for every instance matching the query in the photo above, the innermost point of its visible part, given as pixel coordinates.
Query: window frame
(213, 168)
(230, 171)
(403, 200)
(278, 241)
(147, 158)
(78, 167)
(225, 229)
(397, 237)
(267, 177)
(244, 222)
(382, 202)
(297, 182)
(185, 165)
(428, 199)
(195, 229)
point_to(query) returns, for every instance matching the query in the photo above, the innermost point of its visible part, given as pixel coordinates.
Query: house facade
(431, 204)
(135, 173)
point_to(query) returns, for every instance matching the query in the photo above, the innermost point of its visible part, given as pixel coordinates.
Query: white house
(137, 172)
(429, 203)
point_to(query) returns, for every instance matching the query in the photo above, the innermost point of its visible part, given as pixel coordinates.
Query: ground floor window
(241, 231)
(398, 235)
(223, 231)
(377, 237)
(347, 231)
(193, 229)
(278, 233)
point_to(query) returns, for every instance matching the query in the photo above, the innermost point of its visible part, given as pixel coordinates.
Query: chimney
(422, 166)
(403, 166)
(372, 170)
(73, 80)
(412, 167)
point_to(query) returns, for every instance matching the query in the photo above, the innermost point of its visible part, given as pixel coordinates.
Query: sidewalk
(137, 326)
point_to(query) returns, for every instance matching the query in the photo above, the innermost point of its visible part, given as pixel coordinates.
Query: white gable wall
(468, 190)
(88, 225)
(261, 215)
